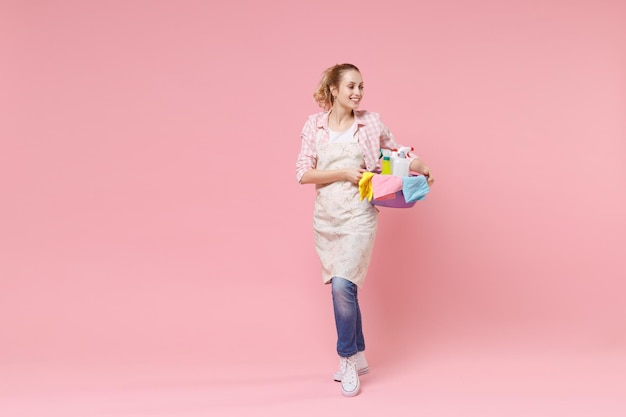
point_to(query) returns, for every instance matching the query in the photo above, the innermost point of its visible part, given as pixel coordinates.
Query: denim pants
(347, 317)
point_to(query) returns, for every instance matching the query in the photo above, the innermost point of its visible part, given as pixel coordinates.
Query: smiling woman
(338, 146)
(351, 87)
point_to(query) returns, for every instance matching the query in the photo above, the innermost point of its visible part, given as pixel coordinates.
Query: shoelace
(350, 374)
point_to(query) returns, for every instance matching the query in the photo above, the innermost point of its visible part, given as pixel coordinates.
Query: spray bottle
(392, 159)
(401, 163)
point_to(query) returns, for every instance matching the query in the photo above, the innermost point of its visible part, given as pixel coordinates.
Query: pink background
(156, 252)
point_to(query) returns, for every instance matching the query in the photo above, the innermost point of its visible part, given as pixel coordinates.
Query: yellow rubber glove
(365, 186)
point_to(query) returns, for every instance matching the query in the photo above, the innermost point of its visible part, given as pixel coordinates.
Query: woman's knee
(343, 291)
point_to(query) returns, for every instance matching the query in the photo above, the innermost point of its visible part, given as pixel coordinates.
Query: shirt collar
(359, 120)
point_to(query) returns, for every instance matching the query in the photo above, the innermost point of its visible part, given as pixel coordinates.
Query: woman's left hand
(429, 176)
(421, 168)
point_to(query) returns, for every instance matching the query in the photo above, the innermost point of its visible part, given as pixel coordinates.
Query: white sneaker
(361, 366)
(350, 383)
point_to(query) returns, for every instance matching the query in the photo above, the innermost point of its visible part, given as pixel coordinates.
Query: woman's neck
(340, 119)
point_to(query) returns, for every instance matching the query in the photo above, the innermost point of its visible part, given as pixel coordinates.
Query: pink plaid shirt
(372, 136)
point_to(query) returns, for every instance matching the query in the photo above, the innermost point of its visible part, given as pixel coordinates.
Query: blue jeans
(347, 317)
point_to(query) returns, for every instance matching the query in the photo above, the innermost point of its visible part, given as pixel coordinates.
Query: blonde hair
(330, 77)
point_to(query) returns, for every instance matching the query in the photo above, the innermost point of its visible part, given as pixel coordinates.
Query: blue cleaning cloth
(414, 188)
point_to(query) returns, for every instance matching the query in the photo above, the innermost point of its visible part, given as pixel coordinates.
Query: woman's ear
(333, 90)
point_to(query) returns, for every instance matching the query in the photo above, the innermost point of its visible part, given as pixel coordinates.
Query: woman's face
(350, 91)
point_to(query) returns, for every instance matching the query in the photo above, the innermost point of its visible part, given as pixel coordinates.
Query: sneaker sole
(363, 371)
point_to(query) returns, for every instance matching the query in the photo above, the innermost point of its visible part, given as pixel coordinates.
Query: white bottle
(401, 164)
(392, 159)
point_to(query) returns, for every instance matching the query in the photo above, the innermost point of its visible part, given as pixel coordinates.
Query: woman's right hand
(353, 174)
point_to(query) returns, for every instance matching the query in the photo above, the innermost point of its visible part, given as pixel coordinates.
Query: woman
(338, 145)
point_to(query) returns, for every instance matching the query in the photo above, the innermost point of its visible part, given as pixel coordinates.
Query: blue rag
(414, 188)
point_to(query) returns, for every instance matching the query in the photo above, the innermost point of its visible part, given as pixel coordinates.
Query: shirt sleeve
(307, 159)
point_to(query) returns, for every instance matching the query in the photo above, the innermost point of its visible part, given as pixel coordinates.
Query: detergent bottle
(401, 163)
(386, 163)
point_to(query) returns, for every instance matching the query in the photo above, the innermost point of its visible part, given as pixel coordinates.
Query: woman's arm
(387, 141)
(318, 176)
(307, 158)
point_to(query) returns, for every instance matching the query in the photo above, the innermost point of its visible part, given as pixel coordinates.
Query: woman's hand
(429, 177)
(421, 168)
(353, 174)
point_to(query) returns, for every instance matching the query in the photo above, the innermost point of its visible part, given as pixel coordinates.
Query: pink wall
(149, 207)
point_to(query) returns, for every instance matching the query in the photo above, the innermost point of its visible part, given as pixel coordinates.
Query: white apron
(344, 225)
